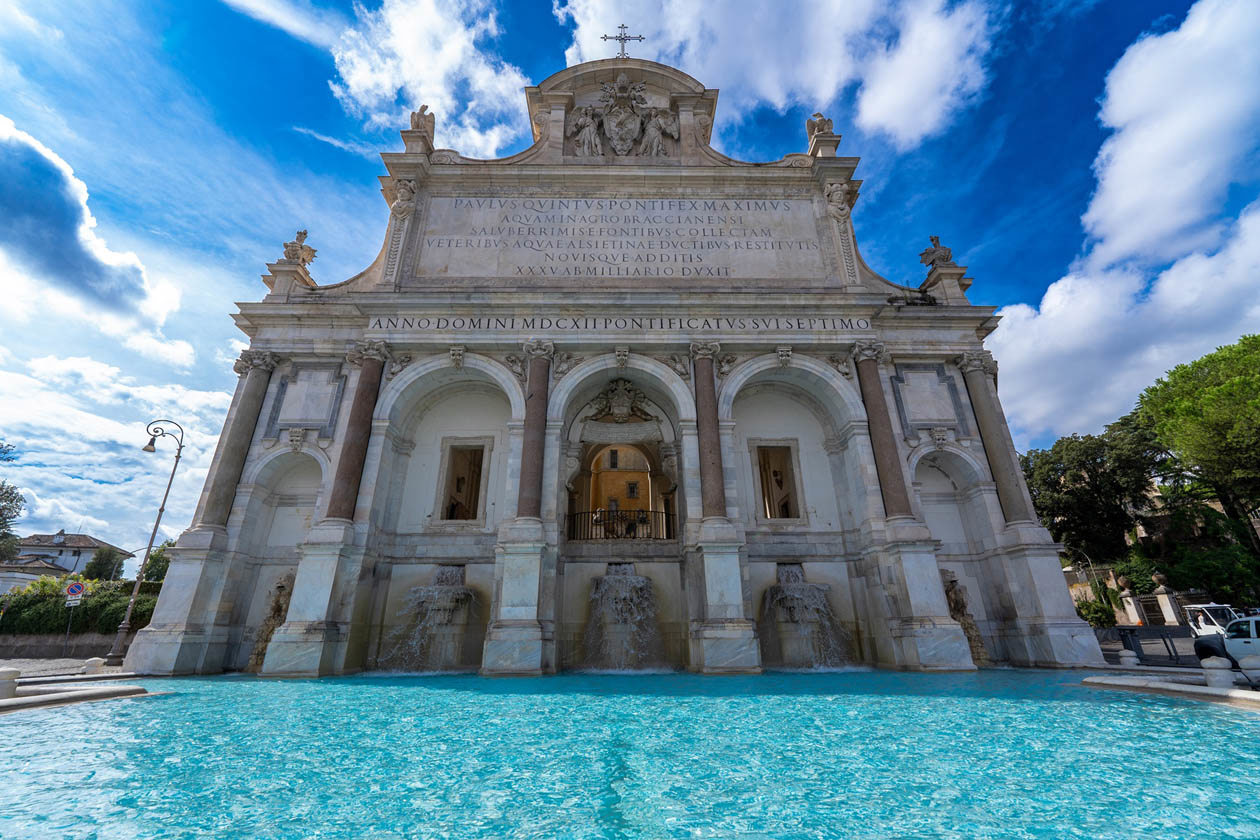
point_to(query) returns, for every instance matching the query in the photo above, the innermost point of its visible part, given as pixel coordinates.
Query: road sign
(75, 588)
(74, 600)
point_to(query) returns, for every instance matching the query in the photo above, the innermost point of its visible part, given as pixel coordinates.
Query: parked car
(1209, 619)
(1240, 638)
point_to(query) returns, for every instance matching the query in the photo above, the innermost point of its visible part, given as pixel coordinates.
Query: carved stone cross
(621, 37)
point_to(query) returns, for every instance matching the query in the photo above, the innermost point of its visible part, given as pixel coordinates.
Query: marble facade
(508, 295)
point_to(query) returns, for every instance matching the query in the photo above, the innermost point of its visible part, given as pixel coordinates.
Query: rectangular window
(612, 459)
(632, 489)
(463, 483)
(778, 483)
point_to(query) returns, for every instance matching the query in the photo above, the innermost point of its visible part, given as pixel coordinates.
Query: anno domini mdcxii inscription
(583, 238)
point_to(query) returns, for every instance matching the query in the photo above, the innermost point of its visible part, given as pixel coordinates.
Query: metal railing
(622, 525)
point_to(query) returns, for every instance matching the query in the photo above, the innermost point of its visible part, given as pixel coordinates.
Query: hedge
(40, 608)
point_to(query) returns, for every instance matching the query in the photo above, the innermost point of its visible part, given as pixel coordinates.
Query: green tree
(1090, 491)
(106, 564)
(12, 504)
(1207, 413)
(159, 562)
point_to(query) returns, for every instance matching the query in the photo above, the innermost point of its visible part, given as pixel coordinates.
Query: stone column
(978, 369)
(256, 366)
(892, 481)
(315, 637)
(182, 637)
(712, 481)
(723, 639)
(534, 436)
(1167, 599)
(514, 639)
(370, 357)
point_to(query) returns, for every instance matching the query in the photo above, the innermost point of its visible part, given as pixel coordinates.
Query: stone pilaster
(723, 639)
(514, 639)
(978, 371)
(892, 480)
(182, 637)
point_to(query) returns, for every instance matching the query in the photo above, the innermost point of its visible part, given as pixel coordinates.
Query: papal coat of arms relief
(623, 122)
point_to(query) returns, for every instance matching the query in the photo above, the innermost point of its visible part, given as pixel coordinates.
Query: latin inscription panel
(577, 240)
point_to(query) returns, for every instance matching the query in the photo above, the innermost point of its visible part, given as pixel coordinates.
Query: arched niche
(409, 388)
(283, 492)
(665, 413)
(948, 486)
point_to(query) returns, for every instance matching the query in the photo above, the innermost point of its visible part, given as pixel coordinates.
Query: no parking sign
(74, 594)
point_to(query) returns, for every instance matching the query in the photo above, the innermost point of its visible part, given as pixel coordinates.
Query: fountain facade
(622, 632)
(798, 628)
(433, 628)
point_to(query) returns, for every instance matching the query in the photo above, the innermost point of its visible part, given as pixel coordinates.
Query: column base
(304, 649)
(932, 644)
(513, 648)
(1052, 643)
(173, 651)
(725, 647)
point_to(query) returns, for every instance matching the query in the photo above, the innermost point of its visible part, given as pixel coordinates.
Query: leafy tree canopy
(106, 564)
(159, 562)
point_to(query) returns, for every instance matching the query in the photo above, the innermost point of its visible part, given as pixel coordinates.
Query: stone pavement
(49, 667)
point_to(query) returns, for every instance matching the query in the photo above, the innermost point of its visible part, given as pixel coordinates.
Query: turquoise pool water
(1000, 754)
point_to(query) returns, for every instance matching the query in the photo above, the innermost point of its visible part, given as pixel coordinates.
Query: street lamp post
(156, 429)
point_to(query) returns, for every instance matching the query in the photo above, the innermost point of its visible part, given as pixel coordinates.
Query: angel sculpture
(585, 124)
(423, 121)
(657, 125)
(817, 125)
(298, 251)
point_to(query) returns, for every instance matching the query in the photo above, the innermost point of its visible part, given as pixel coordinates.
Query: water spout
(622, 632)
(433, 626)
(798, 628)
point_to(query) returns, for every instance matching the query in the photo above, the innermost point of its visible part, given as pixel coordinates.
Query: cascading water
(798, 628)
(622, 632)
(433, 627)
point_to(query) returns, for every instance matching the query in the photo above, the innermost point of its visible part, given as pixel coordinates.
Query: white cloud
(1106, 330)
(74, 519)
(1185, 109)
(912, 88)
(354, 147)
(433, 52)
(301, 20)
(915, 63)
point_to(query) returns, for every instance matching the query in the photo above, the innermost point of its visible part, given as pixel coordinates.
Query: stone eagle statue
(423, 121)
(818, 124)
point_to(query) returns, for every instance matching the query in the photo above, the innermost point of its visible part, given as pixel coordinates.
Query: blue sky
(1093, 163)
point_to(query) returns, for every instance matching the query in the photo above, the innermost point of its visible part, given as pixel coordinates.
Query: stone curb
(1233, 696)
(53, 679)
(58, 698)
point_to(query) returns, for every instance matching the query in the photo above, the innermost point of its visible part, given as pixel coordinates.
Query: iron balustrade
(622, 525)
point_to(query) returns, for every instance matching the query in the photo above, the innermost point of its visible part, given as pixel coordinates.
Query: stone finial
(457, 355)
(870, 350)
(705, 350)
(785, 355)
(423, 121)
(981, 360)
(938, 256)
(537, 348)
(250, 359)
(298, 251)
(404, 197)
(622, 353)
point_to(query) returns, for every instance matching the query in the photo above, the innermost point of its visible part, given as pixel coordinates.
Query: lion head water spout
(798, 628)
(434, 623)
(622, 632)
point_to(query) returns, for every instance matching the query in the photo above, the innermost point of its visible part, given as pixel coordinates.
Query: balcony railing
(622, 525)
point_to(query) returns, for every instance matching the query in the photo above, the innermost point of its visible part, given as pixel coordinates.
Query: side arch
(822, 381)
(400, 396)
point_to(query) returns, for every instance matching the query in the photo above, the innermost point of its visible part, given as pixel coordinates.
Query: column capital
(539, 349)
(381, 351)
(250, 359)
(981, 360)
(705, 349)
(870, 351)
